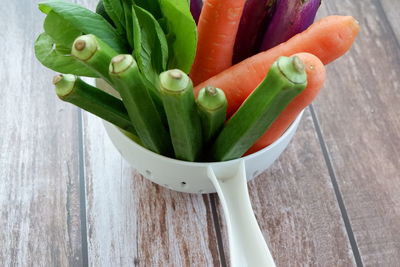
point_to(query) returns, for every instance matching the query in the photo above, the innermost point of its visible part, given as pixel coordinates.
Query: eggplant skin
(290, 18)
(195, 8)
(253, 23)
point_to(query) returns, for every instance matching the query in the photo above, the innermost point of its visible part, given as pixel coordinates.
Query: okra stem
(183, 119)
(94, 53)
(211, 105)
(71, 89)
(285, 80)
(142, 111)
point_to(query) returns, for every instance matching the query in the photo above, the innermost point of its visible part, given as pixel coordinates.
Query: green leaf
(58, 58)
(128, 22)
(60, 30)
(87, 22)
(182, 33)
(115, 11)
(150, 44)
(152, 6)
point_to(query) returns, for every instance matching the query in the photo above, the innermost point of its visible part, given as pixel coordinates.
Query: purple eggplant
(255, 17)
(290, 18)
(195, 9)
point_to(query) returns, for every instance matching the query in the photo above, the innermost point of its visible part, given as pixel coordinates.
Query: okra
(183, 119)
(71, 89)
(94, 53)
(97, 56)
(142, 111)
(211, 105)
(285, 80)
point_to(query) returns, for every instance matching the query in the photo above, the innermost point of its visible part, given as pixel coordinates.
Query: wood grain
(135, 222)
(296, 207)
(39, 172)
(360, 121)
(132, 222)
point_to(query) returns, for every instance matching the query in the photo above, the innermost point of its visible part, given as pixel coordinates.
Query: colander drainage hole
(183, 184)
(148, 173)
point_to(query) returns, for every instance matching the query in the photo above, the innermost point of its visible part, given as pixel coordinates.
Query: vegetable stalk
(71, 89)
(94, 53)
(142, 111)
(211, 105)
(285, 80)
(183, 119)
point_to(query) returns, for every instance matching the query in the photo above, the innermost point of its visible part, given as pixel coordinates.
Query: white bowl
(191, 177)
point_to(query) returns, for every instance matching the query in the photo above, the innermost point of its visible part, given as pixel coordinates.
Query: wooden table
(67, 198)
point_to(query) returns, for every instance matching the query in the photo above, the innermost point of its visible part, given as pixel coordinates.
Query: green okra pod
(142, 111)
(71, 89)
(94, 53)
(211, 105)
(97, 55)
(183, 119)
(285, 80)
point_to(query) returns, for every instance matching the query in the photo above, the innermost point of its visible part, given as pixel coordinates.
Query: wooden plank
(296, 207)
(39, 171)
(390, 9)
(134, 222)
(360, 120)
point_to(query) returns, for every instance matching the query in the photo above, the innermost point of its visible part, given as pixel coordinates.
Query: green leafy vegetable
(150, 44)
(61, 30)
(152, 6)
(86, 22)
(127, 7)
(102, 11)
(115, 10)
(58, 58)
(182, 35)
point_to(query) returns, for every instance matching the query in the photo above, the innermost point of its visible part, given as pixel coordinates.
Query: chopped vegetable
(211, 105)
(253, 24)
(286, 79)
(218, 25)
(327, 39)
(142, 111)
(290, 18)
(183, 119)
(94, 53)
(316, 75)
(71, 89)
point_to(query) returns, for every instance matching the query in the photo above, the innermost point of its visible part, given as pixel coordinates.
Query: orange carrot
(327, 39)
(217, 28)
(316, 75)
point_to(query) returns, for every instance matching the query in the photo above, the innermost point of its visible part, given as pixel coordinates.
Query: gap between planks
(338, 194)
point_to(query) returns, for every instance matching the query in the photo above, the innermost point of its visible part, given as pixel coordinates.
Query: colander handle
(247, 245)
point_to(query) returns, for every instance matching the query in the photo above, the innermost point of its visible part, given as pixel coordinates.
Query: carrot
(217, 28)
(316, 76)
(327, 39)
